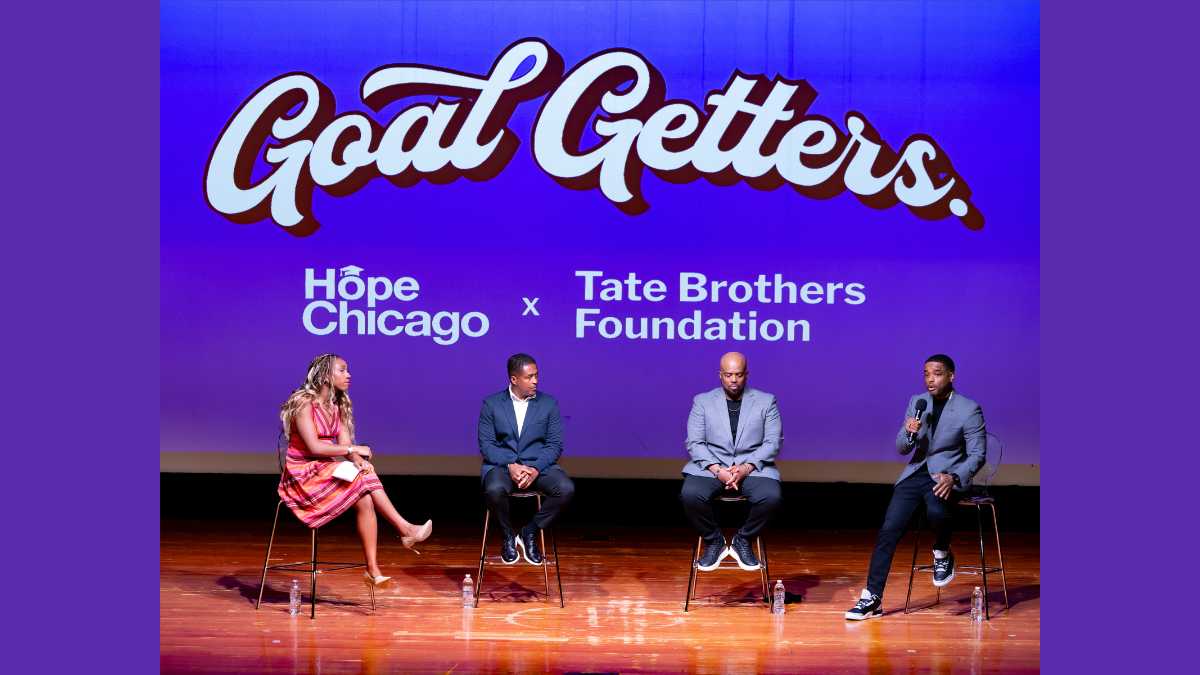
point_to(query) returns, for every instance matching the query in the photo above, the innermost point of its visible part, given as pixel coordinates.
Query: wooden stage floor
(624, 592)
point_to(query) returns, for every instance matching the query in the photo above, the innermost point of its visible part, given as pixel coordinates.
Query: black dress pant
(907, 497)
(699, 493)
(553, 482)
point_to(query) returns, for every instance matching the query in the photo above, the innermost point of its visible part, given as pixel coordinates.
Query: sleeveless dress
(308, 486)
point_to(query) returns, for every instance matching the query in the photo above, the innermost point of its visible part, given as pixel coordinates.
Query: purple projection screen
(624, 190)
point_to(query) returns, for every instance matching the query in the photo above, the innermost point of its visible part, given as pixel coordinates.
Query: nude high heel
(375, 581)
(421, 535)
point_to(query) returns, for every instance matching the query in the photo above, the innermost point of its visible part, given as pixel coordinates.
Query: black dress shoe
(743, 554)
(710, 558)
(943, 570)
(508, 551)
(528, 543)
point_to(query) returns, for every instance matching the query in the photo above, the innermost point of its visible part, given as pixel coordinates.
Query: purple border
(1112, 295)
(84, 244)
(108, 610)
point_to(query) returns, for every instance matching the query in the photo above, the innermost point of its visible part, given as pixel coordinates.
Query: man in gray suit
(733, 436)
(948, 447)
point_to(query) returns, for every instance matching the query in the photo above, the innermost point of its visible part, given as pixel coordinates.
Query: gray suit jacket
(959, 447)
(759, 433)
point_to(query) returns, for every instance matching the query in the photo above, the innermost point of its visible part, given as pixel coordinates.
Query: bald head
(733, 375)
(732, 360)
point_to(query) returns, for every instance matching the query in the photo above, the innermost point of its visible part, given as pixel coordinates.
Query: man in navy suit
(948, 446)
(520, 438)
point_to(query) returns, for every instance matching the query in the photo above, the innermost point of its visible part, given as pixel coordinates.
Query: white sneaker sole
(946, 582)
(733, 554)
(521, 549)
(852, 616)
(715, 565)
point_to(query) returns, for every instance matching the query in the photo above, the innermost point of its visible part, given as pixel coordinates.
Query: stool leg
(983, 562)
(691, 587)
(371, 588)
(912, 568)
(766, 564)
(766, 577)
(545, 563)
(313, 574)
(1000, 554)
(487, 517)
(262, 584)
(557, 570)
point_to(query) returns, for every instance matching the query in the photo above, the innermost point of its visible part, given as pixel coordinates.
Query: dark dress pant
(553, 482)
(908, 495)
(699, 493)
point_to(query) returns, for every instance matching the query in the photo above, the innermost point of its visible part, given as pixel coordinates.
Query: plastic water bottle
(777, 604)
(468, 592)
(977, 605)
(294, 598)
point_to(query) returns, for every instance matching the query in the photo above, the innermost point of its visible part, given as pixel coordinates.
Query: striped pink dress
(308, 486)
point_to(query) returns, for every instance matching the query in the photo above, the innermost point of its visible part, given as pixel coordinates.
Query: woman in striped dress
(319, 420)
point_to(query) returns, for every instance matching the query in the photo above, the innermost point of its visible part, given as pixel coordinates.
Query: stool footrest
(307, 566)
(974, 569)
(964, 569)
(729, 568)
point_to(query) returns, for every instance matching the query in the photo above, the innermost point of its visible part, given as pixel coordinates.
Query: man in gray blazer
(948, 446)
(733, 436)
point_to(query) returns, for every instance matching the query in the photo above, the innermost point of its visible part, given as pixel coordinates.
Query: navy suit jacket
(539, 443)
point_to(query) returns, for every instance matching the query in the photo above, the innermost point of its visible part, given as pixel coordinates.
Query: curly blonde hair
(319, 375)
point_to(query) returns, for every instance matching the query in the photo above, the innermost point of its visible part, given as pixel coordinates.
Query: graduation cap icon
(351, 270)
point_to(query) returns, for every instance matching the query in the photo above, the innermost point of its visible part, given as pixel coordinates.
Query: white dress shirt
(520, 407)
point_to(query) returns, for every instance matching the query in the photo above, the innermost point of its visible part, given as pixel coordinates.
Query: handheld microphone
(921, 405)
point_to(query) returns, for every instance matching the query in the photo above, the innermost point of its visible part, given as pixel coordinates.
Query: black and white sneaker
(508, 551)
(742, 554)
(868, 607)
(943, 570)
(711, 557)
(527, 541)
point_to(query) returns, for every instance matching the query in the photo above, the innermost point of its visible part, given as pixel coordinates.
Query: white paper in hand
(346, 471)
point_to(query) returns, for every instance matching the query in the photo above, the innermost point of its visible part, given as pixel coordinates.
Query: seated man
(948, 447)
(520, 438)
(733, 436)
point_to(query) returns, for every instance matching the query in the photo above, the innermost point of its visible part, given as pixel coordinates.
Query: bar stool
(487, 520)
(763, 569)
(978, 501)
(312, 566)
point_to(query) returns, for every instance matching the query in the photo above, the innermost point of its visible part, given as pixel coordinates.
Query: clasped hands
(359, 454)
(732, 476)
(522, 476)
